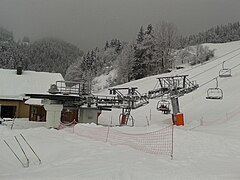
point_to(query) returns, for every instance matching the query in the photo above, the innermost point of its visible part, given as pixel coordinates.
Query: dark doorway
(69, 115)
(37, 113)
(8, 111)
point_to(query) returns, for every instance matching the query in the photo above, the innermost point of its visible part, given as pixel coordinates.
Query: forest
(156, 49)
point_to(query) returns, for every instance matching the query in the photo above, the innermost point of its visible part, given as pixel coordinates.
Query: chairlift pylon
(225, 72)
(215, 93)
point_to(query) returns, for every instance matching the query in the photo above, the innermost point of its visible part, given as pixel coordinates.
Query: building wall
(89, 115)
(22, 110)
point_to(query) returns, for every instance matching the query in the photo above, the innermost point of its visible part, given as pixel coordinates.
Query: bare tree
(166, 35)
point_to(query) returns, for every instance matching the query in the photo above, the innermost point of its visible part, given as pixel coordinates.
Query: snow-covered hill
(194, 105)
(207, 147)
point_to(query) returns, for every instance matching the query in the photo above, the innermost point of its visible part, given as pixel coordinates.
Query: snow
(102, 82)
(15, 86)
(32, 101)
(207, 147)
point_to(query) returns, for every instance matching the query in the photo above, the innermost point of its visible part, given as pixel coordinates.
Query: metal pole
(12, 122)
(107, 134)
(14, 153)
(1, 120)
(175, 107)
(22, 151)
(223, 64)
(31, 149)
(172, 143)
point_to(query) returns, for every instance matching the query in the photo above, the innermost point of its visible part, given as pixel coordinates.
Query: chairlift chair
(225, 72)
(215, 93)
(163, 105)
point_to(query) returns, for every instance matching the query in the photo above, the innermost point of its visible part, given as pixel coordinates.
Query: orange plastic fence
(159, 142)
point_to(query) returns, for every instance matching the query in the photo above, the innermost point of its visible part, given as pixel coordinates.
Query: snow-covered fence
(227, 117)
(159, 142)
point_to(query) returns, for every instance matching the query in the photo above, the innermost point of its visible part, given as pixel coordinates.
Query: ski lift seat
(163, 105)
(225, 73)
(214, 93)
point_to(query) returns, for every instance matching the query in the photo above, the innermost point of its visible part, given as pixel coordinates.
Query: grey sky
(89, 23)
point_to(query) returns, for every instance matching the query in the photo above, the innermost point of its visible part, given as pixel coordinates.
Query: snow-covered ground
(207, 147)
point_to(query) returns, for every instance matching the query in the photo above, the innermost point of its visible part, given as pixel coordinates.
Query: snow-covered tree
(140, 35)
(5, 35)
(52, 55)
(74, 71)
(125, 64)
(200, 54)
(143, 53)
(149, 50)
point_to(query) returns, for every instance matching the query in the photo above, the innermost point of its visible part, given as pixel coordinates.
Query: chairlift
(164, 106)
(215, 93)
(225, 72)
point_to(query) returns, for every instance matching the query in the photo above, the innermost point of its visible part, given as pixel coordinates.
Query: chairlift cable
(214, 66)
(206, 82)
(212, 60)
(235, 66)
(216, 77)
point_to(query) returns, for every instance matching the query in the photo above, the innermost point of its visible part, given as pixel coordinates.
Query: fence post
(172, 143)
(107, 134)
(150, 118)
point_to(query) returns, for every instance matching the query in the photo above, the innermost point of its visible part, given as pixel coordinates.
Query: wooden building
(15, 84)
(13, 108)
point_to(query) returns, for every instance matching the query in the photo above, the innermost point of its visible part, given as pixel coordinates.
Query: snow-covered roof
(33, 101)
(15, 86)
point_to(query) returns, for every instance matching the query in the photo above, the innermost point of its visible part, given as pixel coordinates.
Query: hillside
(197, 97)
(207, 147)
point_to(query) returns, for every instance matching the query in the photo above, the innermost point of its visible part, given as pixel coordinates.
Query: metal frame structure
(71, 87)
(76, 94)
(174, 86)
(128, 99)
(166, 85)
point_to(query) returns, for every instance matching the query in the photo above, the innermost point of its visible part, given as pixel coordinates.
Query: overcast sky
(89, 23)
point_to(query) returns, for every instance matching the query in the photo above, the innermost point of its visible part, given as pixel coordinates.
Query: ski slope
(194, 105)
(207, 147)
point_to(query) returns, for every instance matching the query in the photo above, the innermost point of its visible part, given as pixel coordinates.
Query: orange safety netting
(159, 142)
